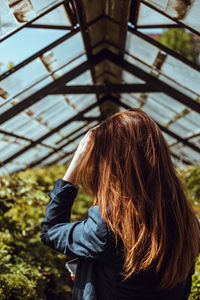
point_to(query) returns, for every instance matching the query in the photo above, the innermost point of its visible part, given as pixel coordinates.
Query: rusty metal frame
(11, 134)
(106, 88)
(39, 53)
(164, 48)
(166, 130)
(32, 99)
(35, 163)
(152, 84)
(169, 17)
(45, 136)
(43, 13)
(86, 39)
(151, 80)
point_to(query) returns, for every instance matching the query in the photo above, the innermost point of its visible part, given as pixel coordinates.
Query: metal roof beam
(15, 135)
(23, 138)
(169, 17)
(106, 88)
(165, 26)
(80, 14)
(39, 140)
(153, 81)
(164, 48)
(166, 130)
(183, 160)
(43, 13)
(45, 49)
(56, 150)
(34, 98)
(39, 53)
(64, 145)
(50, 26)
(70, 134)
(89, 119)
(56, 160)
(134, 11)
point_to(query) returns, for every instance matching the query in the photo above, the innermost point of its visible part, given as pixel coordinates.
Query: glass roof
(148, 16)
(185, 11)
(15, 14)
(42, 120)
(169, 68)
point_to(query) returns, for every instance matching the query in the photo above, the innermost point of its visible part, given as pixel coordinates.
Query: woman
(141, 238)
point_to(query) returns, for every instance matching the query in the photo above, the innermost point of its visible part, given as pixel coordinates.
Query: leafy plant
(30, 270)
(181, 41)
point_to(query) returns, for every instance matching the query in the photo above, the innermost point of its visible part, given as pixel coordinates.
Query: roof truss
(106, 60)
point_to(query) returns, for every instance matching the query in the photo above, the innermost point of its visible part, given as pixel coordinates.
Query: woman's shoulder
(95, 211)
(95, 214)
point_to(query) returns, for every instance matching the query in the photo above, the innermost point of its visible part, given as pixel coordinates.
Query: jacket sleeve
(86, 239)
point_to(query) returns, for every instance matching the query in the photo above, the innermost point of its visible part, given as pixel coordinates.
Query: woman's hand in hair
(71, 173)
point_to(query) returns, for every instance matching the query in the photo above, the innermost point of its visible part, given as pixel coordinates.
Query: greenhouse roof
(72, 63)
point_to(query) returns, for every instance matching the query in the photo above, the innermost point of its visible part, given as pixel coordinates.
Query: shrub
(191, 180)
(30, 270)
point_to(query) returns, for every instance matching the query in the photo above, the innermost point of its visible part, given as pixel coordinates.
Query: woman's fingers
(79, 155)
(84, 143)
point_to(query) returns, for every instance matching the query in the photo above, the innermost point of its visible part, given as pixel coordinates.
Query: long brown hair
(129, 172)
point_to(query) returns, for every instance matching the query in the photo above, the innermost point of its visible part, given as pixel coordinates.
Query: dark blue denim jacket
(100, 263)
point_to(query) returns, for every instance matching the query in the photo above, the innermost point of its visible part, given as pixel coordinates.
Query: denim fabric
(86, 240)
(98, 275)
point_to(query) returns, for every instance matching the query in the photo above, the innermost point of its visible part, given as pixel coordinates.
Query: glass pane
(84, 78)
(196, 140)
(65, 159)
(185, 122)
(26, 42)
(32, 155)
(185, 11)
(71, 127)
(191, 154)
(130, 100)
(169, 138)
(11, 168)
(13, 148)
(95, 112)
(57, 16)
(178, 128)
(57, 110)
(141, 49)
(194, 117)
(182, 73)
(24, 78)
(161, 113)
(82, 102)
(23, 125)
(168, 102)
(69, 49)
(51, 141)
(148, 16)
(7, 19)
(129, 78)
(20, 12)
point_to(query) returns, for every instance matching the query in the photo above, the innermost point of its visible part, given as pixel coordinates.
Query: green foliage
(195, 291)
(181, 41)
(191, 180)
(30, 270)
